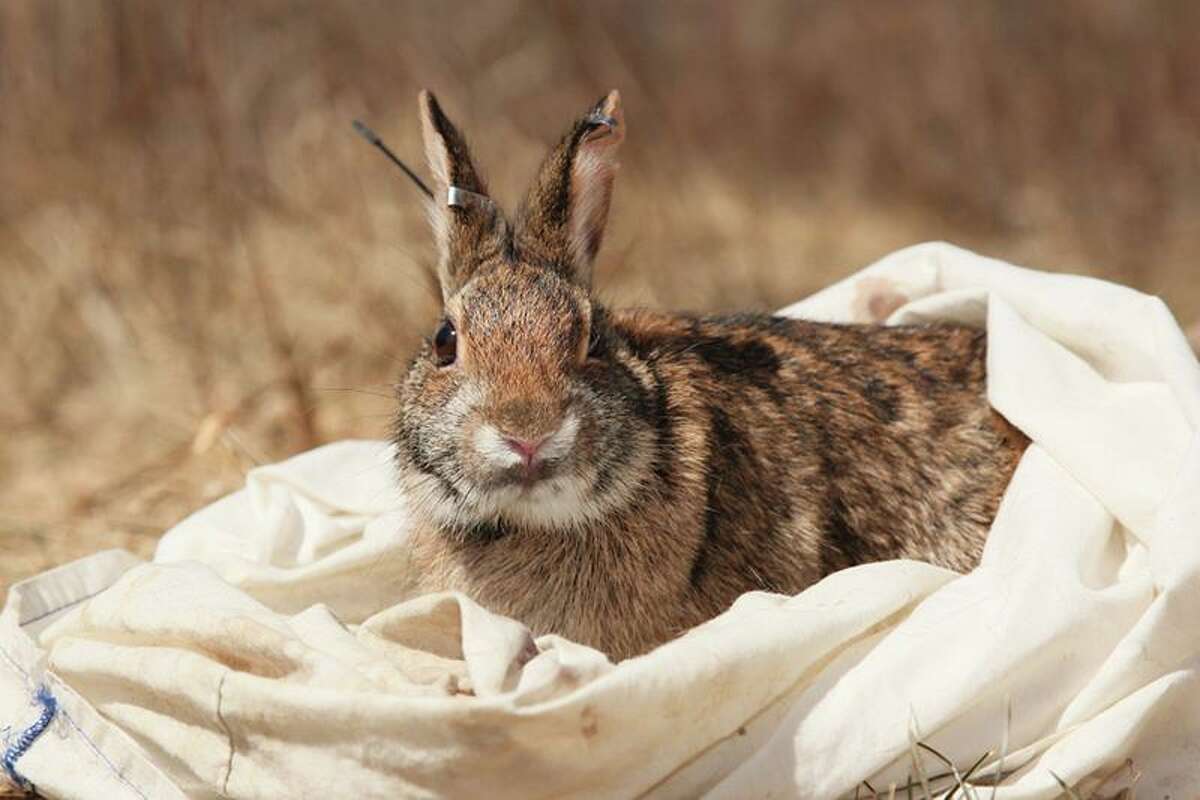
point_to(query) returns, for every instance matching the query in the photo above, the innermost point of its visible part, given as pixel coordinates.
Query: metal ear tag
(465, 198)
(601, 125)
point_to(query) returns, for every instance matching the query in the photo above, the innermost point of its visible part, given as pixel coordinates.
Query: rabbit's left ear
(468, 227)
(562, 221)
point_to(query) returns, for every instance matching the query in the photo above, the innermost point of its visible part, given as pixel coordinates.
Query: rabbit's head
(517, 410)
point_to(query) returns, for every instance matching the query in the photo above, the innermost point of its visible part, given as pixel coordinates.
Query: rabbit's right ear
(562, 220)
(467, 225)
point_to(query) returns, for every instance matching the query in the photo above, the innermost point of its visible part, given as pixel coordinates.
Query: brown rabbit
(617, 477)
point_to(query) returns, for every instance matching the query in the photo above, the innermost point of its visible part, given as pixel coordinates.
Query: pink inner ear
(591, 188)
(592, 176)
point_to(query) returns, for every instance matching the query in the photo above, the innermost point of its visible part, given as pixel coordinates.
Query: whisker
(354, 390)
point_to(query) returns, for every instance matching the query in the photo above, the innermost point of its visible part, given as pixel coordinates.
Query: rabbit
(617, 477)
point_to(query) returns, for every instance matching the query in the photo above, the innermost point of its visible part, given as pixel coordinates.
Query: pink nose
(525, 448)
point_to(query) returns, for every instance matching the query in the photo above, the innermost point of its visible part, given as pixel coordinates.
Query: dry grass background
(202, 268)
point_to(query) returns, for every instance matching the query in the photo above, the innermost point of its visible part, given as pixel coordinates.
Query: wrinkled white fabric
(264, 653)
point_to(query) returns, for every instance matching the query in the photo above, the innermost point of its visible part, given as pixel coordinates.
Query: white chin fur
(553, 503)
(558, 502)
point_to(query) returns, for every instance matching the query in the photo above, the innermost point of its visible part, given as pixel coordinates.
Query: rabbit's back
(830, 445)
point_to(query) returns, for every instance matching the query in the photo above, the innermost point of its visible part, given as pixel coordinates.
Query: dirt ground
(203, 269)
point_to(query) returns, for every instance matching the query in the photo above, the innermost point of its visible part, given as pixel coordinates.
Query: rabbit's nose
(527, 449)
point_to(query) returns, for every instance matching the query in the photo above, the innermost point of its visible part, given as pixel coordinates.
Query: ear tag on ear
(465, 198)
(601, 125)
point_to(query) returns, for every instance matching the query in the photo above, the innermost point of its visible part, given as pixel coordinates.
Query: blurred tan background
(202, 268)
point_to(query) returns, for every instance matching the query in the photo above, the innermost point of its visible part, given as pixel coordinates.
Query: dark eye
(445, 344)
(596, 347)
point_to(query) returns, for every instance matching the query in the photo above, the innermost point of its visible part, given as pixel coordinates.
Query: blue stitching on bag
(23, 742)
(94, 747)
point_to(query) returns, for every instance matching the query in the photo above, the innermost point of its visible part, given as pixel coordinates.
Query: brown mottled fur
(708, 456)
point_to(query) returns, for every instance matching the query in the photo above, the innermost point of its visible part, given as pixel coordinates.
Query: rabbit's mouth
(528, 476)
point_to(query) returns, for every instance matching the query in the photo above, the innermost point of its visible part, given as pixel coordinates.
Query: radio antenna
(370, 136)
